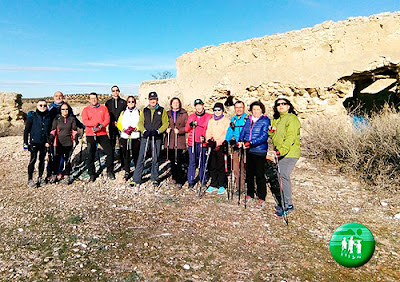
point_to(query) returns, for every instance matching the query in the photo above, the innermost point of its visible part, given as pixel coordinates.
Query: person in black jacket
(63, 134)
(37, 129)
(115, 106)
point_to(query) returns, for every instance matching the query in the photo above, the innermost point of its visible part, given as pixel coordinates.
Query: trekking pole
(240, 173)
(232, 174)
(226, 168)
(145, 150)
(153, 149)
(194, 140)
(80, 154)
(176, 148)
(167, 145)
(205, 168)
(244, 166)
(285, 215)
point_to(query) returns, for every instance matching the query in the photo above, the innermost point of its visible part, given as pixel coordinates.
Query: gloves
(26, 146)
(100, 126)
(193, 124)
(278, 153)
(211, 144)
(96, 129)
(232, 142)
(232, 125)
(202, 139)
(146, 134)
(130, 130)
(246, 144)
(225, 147)
(153, 132)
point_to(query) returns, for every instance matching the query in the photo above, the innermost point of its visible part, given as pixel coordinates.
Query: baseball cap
(198, 101)
(153, 95)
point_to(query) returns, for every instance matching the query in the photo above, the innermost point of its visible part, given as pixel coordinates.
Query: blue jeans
(194, 162)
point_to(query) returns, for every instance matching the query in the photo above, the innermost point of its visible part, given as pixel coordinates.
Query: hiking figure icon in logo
(351, 248)
(352, 244)
(344, 247)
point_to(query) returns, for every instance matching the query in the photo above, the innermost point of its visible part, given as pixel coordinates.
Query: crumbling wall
(165, 88)
(309, 64)
(11, 118)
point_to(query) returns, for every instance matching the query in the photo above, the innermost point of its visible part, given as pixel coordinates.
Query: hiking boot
(155, 183)
(211, 189)
(191, 186)
(126, 176)
(133, 184)
(31, 184)
(178, 186)
(66, 179)
(111, 175)
(92, 178)
(221, 190)
(53, 179)
(260, 204)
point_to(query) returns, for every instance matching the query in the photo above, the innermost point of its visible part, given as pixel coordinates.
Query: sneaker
(53, 179)
(247, 199)
(211, 189)
(133, 184)
(155, 183)
(40, 181)
(92, 178)
(260, 204)
(178, 186)
(221, 190)
(111, 175)
(280, 213)
(31, 184)
(290, 208)
(126, 176)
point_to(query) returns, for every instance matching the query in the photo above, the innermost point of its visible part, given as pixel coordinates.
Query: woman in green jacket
(285, 134)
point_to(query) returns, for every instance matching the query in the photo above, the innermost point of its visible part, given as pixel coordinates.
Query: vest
(156, 123)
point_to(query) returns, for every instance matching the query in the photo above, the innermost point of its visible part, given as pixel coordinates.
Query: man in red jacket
(96, 118)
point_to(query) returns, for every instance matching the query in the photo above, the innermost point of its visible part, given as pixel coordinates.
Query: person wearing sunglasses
(37, 129)
(130, 137)
(254, 139)
(115, 106)
(215, 136)
(63, 134)
(285, 134)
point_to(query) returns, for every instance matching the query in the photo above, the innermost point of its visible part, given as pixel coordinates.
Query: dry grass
(370, 150)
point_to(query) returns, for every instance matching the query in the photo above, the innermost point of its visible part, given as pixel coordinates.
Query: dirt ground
(103, 231)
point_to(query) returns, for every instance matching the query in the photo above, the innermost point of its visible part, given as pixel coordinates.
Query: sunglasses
(42, 105)
(64, 109)
(115, 90)
(281, 104)
(131, 102)
(217, 110)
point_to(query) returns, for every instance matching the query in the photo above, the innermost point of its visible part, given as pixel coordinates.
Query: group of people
(216, 145)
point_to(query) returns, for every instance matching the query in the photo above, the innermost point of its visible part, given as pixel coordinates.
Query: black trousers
(35, 149)
(271, 174)
(131, 153)
(255, 168)
(177, 172)
(217, 169)
(62, 152)
(106, 145)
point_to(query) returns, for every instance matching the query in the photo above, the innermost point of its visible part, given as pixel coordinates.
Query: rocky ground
(103, 231)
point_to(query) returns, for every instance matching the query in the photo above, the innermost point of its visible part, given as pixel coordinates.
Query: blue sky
(84, 46)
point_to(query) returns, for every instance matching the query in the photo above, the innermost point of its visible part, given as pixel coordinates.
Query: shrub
(370, 150)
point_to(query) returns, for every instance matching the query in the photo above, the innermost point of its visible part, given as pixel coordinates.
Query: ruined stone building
(322, 69)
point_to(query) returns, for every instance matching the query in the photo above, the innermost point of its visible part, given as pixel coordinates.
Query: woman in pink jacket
(216, 132)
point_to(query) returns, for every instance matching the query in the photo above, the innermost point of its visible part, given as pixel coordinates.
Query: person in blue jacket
(254, 138)
(232, 136)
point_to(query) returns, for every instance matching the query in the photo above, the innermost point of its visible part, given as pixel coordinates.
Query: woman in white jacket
(130, 137)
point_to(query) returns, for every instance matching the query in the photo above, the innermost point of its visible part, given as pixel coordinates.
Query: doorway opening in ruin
(373, 89)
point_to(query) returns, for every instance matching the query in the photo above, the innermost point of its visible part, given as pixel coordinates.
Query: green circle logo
(352, 245)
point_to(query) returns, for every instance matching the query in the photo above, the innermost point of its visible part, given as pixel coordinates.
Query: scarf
(95, 106)
(218, 118)
(175, 114)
